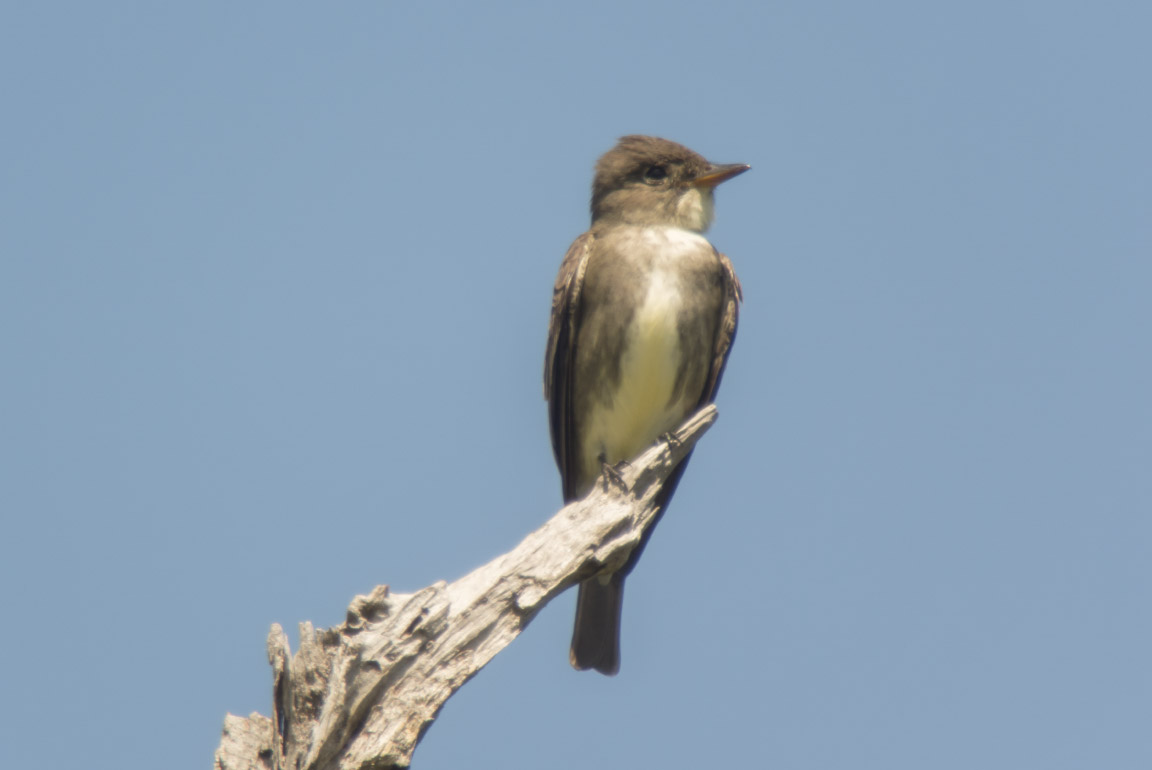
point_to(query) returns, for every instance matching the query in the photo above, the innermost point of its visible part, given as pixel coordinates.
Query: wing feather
(726, 331)
(560, 355)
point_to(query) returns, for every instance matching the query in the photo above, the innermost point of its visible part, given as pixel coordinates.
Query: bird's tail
(596, 635)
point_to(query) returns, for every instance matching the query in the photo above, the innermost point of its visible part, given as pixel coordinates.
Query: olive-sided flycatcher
(643, 316)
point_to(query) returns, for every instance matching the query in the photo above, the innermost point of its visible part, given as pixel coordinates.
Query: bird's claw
(613, 474)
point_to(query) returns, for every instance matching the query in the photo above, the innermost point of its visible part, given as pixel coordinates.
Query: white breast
(642, 408)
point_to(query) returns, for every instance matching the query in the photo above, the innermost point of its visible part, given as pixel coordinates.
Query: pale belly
(643, 405)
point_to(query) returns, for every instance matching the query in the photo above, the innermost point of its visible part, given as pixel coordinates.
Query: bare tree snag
(361, 695)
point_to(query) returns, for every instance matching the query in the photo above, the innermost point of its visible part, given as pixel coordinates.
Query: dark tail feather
(596, 636)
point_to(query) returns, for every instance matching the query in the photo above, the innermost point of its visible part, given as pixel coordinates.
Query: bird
(644, 314)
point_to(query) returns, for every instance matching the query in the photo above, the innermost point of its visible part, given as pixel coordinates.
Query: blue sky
(274, 284)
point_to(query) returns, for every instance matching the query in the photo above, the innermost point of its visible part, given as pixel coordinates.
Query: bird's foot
(670, 439)
(613, 474)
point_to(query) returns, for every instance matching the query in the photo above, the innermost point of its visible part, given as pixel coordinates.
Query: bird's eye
(655, 173)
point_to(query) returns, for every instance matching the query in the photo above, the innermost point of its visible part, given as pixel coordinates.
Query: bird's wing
(560, 355)
(726, 331)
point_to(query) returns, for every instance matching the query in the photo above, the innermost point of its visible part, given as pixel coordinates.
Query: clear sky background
(274, 285)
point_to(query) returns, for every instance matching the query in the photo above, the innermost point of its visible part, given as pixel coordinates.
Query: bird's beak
(717, 173)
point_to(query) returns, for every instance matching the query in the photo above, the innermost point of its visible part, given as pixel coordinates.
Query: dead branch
(360, 696)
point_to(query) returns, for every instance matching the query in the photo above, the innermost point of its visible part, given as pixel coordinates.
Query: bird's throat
(695, 210)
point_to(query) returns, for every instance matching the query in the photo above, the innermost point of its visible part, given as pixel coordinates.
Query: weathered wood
(361, 695)
(246, 743)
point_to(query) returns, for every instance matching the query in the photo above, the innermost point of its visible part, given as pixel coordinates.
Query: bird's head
(645, 180)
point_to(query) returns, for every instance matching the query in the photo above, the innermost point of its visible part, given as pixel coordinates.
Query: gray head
(645, 180)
